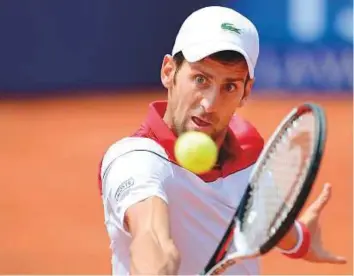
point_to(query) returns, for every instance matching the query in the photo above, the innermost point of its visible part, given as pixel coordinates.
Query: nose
(210, 100)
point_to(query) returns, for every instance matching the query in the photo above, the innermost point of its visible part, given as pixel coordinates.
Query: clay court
(51, 215)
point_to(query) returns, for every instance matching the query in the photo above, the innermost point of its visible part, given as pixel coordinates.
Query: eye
(230, 87)
(200, 79)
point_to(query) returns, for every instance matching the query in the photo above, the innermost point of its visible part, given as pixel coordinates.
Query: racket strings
(278, 183)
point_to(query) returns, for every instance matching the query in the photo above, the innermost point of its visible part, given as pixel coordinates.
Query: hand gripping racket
(278, 188)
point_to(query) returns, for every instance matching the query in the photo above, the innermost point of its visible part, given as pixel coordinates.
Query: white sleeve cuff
(299, 242)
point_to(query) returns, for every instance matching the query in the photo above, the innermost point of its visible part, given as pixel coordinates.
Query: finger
(323, 198)
(332, 259)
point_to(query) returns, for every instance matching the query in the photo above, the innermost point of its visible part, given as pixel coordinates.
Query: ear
(168, 69)
(247, 92)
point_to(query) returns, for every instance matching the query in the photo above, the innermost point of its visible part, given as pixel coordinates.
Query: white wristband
(299, 242)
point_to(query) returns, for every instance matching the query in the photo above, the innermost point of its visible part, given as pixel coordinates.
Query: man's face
(204, 95)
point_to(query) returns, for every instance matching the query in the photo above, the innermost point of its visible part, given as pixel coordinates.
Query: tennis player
(163, 219)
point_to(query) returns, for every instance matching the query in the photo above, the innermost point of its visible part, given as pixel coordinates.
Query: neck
(167, 118)
(219, 140)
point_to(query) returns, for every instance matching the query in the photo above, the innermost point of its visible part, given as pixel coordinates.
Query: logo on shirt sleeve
(123, 188)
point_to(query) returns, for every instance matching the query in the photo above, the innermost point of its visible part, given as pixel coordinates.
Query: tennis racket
(278, 188)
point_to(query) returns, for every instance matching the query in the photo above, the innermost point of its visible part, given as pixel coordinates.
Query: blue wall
(68, 44)
(96, 44)
(305, 44)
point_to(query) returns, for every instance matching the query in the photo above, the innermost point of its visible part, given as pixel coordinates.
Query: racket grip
(304, 242)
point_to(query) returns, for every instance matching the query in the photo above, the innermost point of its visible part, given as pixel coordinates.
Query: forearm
(149, 256)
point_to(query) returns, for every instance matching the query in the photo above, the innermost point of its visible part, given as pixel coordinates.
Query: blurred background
(76, 76)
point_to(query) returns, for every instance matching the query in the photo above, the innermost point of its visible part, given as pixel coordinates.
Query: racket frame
(218, 263)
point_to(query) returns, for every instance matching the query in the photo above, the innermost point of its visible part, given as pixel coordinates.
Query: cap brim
(199, 51)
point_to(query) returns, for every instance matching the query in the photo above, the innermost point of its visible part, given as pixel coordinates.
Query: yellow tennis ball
(196, 152)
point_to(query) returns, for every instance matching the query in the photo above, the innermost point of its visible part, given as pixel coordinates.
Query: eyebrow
(226, 80)
(234, 79)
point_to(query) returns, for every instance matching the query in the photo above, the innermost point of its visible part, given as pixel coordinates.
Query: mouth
(199, 122)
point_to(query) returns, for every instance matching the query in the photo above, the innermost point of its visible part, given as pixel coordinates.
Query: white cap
(213, 29)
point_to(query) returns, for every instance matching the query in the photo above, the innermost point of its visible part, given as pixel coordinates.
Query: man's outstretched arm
(152, 250)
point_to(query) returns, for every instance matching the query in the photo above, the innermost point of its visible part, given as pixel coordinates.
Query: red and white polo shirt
(200, 206)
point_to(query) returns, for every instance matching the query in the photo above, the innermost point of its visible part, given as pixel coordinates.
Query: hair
(224, 57)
